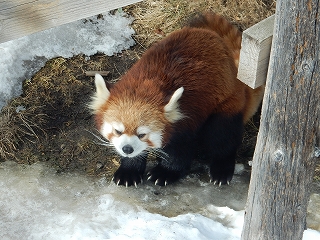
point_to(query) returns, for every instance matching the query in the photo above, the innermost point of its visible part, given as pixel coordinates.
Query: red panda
(181, 95)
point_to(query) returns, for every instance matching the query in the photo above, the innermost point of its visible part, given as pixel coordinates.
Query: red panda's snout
(131, 144)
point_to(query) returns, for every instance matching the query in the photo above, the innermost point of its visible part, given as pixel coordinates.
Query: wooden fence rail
(19, 18)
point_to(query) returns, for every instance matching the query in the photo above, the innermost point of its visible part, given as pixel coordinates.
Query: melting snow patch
(23, 57)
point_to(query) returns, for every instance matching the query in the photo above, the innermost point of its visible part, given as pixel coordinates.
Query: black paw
(162, 176)
(127, 177)
(220, 175)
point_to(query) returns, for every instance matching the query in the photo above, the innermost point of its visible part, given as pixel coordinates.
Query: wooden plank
(19, 18)
(255, 53)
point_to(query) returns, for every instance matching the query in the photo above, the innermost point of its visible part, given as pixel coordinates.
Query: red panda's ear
(171, 109)
(102, 93)
(101, 87)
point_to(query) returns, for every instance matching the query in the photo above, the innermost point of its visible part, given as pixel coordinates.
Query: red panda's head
(132, 120)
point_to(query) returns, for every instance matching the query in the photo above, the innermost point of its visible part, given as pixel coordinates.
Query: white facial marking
(106, 129)
(133, 141)
(156, 139)
(118, 126)
(138, 145)
(143, 130)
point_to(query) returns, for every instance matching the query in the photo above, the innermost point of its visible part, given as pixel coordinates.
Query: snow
(38, 203)
(23, 57)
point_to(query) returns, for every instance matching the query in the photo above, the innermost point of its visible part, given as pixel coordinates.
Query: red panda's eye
(142, 135)
(117, 132)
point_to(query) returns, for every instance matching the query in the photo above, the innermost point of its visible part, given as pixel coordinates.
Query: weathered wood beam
(289, 134)
(255, 53)
(19, 18)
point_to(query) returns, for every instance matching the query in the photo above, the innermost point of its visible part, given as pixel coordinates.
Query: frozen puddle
(36, 203)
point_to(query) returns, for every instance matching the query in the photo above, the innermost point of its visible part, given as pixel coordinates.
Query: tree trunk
(289, 137)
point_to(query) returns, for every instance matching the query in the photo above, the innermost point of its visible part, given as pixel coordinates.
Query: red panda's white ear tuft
(101, 87)
(171, 110)
(102, 93)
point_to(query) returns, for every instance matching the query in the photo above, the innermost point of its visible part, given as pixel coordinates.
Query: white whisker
(159, 153)
(102, 142)
(141, 157)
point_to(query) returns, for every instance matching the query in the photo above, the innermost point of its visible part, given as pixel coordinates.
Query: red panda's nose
(127, 149)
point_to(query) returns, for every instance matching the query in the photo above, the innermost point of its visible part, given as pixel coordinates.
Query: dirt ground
(50, 121)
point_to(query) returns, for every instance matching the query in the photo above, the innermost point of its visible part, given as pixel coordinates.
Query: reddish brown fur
(230, 34)
(197, 58)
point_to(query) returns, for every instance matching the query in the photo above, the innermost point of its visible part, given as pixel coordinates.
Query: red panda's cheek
(150, 144)
(109, 136)
(155, 140)
(106, 130)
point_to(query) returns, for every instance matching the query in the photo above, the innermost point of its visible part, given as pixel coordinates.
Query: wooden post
(289, 136)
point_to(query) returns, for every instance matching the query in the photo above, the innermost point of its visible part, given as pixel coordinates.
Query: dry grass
(27, 117)
(8, 134)
(154, 19)
(18, 125)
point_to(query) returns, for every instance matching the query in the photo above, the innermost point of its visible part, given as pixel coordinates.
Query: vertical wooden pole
(289, 136)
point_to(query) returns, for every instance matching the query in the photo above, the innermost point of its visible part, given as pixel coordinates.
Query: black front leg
(221, 136)
(176, 161)
(130, 171)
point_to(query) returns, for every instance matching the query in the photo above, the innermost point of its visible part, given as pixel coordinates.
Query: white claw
(156, 182)
(165, 183)
(126, 184)
(148, 178)
(118, 182)
(228, 182)
(112, 179)
(215, 182)
(135, 184)
(219, 184)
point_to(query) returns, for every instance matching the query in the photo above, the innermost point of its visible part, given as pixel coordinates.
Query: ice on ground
(36, 203)
(23, 57)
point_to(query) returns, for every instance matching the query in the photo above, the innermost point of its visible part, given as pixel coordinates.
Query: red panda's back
(199, 61)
